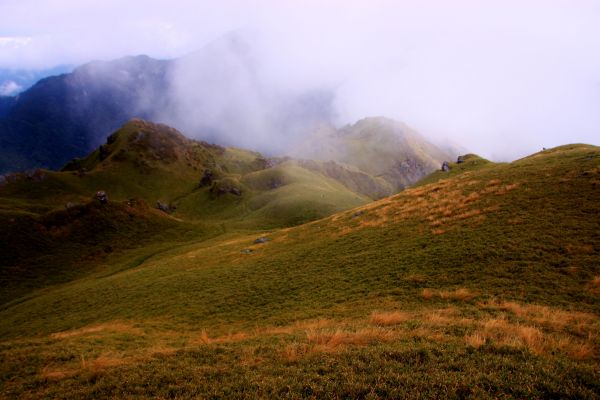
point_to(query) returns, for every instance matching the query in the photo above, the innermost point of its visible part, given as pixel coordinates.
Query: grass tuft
(383, 318)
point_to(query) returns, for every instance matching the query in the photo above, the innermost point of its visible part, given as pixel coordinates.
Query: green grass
(485, 275)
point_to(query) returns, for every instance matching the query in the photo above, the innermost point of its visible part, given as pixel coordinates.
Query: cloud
(14, 42)
(9, 88)
(503, 78)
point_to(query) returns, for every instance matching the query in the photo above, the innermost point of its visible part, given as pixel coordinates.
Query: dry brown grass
(579, 248)
(106, 361)
(580, 351)
(505, 189)
(460, 294)
(475, 340)
(416, 278)
(204, 338)
(571, 332)
(389, 318)
(329, 341)
(294, 351)
(500, 332)
(550, 317)
(472, 197)
(115, 326)
(56, 373)
(595, 285)
(468, 214)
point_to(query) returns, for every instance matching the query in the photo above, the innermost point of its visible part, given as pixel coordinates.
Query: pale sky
(501, 78)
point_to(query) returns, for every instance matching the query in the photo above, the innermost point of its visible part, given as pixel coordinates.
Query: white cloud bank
(503, 78)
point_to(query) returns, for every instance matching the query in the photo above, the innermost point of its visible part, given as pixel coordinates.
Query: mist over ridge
(503, 79)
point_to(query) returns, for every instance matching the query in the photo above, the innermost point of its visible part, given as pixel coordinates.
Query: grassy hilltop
(479, 282)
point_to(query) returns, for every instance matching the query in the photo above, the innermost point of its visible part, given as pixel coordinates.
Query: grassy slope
(381, 147)
(44, 244)
(483, 283)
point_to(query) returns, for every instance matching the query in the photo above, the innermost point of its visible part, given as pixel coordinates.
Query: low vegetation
(480, 282)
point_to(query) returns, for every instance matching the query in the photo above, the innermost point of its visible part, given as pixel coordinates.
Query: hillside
(383, 148)
(160, 184)
(479, 282)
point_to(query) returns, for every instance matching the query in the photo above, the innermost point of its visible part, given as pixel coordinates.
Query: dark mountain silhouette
(69, 115)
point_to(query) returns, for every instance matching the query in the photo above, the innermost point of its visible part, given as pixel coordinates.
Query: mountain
(6, 103)
(14, 80)
(217, 94)
(482, 281)
(389, 150)
(68, 115)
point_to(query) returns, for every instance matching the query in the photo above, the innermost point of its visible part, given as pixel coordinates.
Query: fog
(501, 78)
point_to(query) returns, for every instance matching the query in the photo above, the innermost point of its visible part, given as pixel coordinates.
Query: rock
(35, 175)
(207, 178)
(221, 188)
(460, 159)
(102, 197)
(445, 166)
(274, 183)
(246, 251)
(261, 239)
(357, 214)
(164, 207)
(69, 206)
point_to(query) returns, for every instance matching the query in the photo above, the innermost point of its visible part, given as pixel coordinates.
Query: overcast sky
(502, 78)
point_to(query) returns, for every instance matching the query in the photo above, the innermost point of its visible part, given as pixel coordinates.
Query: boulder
(261, 239)
(357, 214)
(445, 166)
(164, 207)
(102, 197)
(274, 183)
(460, 159)
(207, 178)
